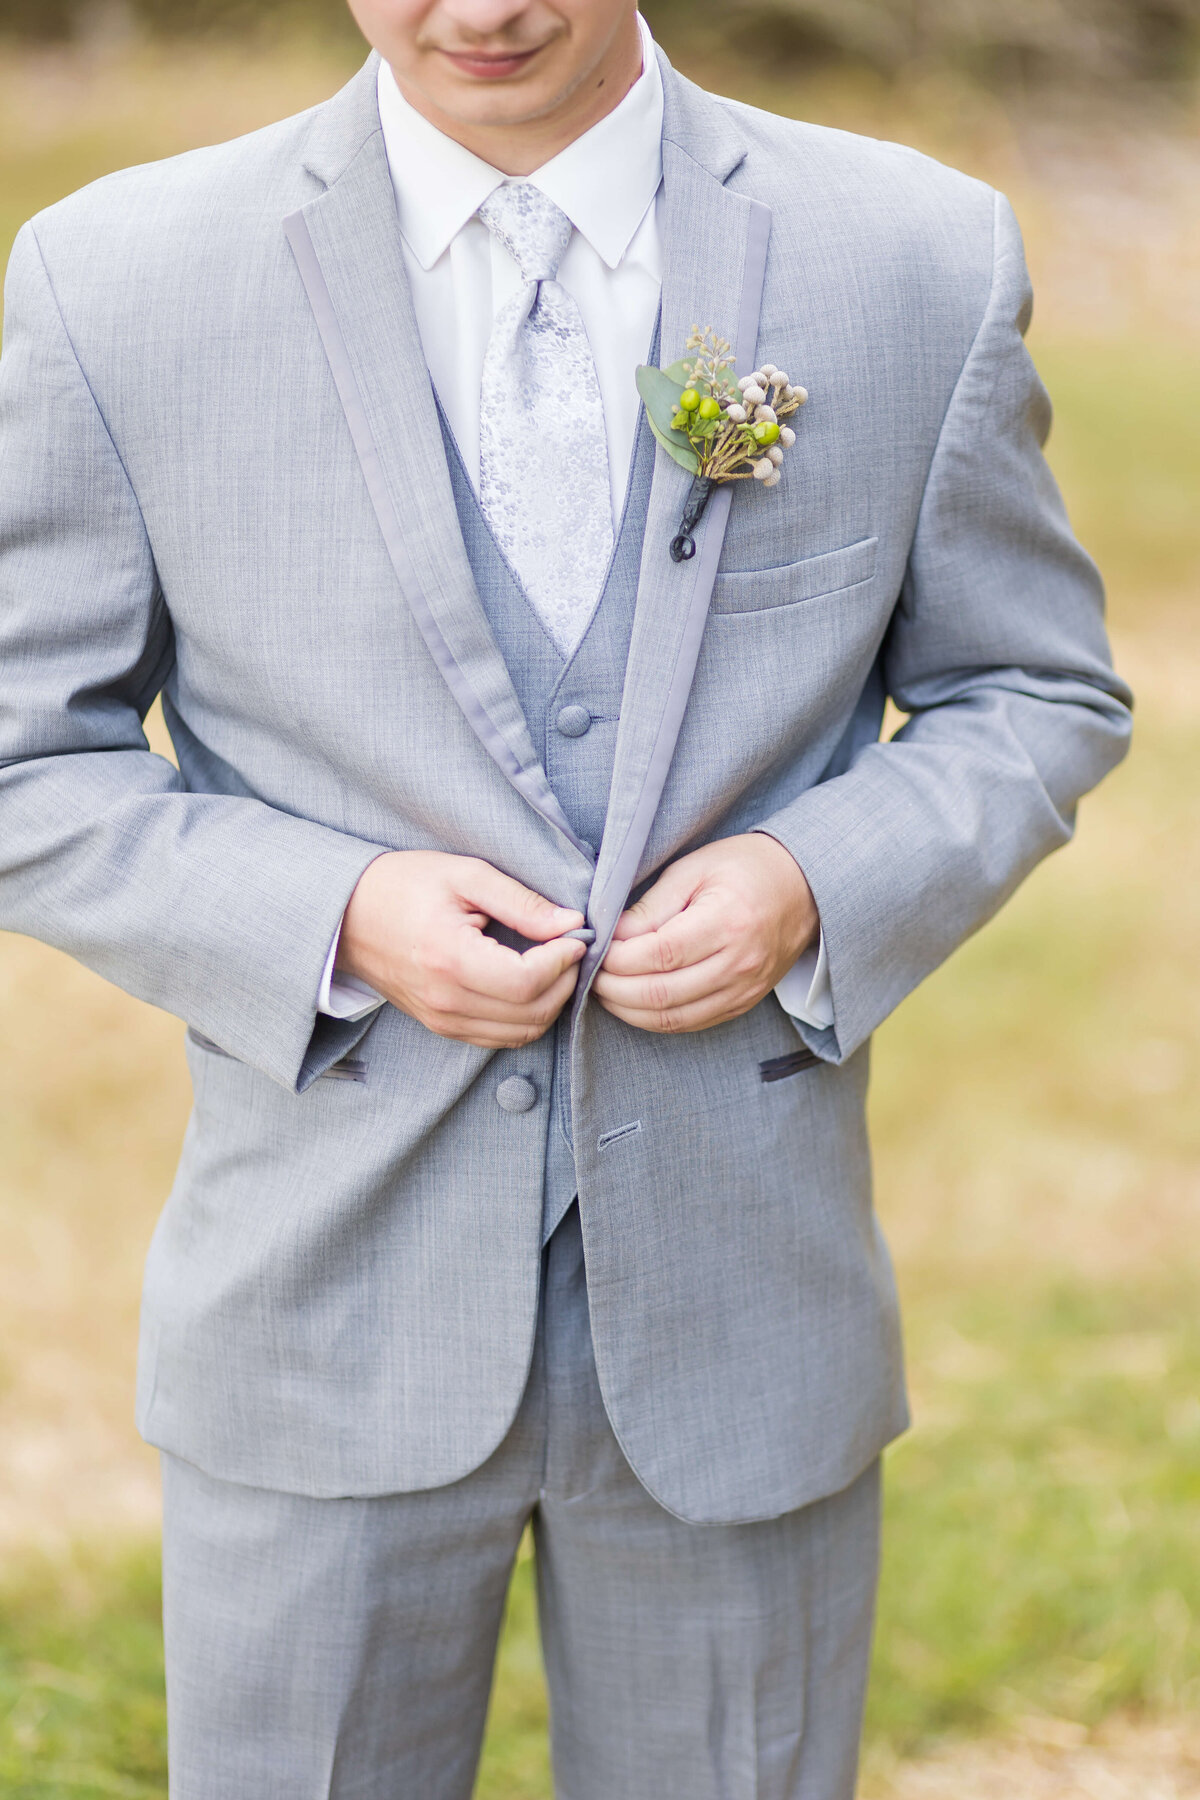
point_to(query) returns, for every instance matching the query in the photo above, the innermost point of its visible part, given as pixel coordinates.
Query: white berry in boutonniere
(718, 428)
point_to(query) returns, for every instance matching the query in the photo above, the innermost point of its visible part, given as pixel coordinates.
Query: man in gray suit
(330, 437)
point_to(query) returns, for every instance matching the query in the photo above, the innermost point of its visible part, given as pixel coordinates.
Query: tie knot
(532, 229)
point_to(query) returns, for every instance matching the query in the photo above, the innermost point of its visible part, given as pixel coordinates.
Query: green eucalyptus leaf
(661, 396)
(676, 445)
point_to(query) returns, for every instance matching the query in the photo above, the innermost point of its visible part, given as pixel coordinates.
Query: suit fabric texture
(215, 461)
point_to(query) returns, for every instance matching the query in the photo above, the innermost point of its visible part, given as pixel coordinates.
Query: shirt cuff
(805, 992)
(343, 996)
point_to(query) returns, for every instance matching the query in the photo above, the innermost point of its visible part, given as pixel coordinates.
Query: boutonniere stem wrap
(716, 427)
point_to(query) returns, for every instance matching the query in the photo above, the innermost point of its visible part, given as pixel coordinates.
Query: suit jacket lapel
(346, 243)
(715, 243)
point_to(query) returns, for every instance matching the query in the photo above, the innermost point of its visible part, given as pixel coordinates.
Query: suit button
(574, 721)
(516, 1095)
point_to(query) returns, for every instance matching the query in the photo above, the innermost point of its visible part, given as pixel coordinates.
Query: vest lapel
(715, 245)
(346, 243)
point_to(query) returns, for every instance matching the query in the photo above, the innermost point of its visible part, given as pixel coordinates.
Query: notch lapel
(346, 243)
(715, 247)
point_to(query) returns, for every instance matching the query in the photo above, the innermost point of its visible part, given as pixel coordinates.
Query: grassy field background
(1035, 1104)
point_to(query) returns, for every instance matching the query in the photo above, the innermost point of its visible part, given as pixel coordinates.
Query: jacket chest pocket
(790, 584)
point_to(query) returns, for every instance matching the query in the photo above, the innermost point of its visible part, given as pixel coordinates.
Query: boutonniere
(717, 428)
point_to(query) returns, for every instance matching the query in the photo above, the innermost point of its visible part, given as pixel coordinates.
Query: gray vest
(572, 707)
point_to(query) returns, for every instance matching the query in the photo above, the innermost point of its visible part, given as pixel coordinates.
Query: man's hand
(714, 934)
(414, 931)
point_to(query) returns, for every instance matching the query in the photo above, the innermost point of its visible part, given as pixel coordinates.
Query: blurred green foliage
(81, 1693)
(1126, 448)
(994, 41)
(1040, 1553)
(52, 21)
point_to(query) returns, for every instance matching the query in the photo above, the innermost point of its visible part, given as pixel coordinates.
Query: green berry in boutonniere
(716, 427)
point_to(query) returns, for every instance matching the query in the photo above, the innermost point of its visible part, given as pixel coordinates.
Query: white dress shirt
(607, 182)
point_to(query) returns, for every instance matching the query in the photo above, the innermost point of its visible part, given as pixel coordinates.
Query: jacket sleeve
(220, 909)
(997, 653)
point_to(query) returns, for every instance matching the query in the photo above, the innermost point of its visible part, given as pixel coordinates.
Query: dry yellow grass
(1070, 1145)
(1052, 1759)
(94, 1096)
(94, 1099)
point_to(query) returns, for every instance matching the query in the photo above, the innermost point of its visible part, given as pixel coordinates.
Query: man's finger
(492, 970)
(493, 1024)
(660, 994)
(683, 939)
(673, 890)
(518, 907)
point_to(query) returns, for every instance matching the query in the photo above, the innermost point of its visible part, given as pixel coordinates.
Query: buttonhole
(614, 1137)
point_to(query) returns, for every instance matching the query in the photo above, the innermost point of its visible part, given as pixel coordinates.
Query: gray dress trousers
(344, 1648)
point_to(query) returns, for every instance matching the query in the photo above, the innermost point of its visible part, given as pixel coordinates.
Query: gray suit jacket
(221, 479)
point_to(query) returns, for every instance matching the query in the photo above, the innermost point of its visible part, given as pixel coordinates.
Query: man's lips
(490, 67)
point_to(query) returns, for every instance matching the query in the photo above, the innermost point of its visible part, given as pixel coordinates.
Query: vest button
(516, 1095)
(574, 721)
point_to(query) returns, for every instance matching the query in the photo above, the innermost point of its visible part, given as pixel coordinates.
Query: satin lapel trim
(346, 247)
(673, 598)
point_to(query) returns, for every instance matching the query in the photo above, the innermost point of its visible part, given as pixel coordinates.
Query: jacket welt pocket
(350, 1068)
(762, 590)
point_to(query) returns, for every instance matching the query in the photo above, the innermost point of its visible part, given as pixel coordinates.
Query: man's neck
(520, 148)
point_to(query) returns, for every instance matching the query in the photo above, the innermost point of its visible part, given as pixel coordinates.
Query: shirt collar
(604, 181)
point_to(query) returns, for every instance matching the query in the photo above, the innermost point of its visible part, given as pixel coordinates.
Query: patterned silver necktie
(543, 449)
